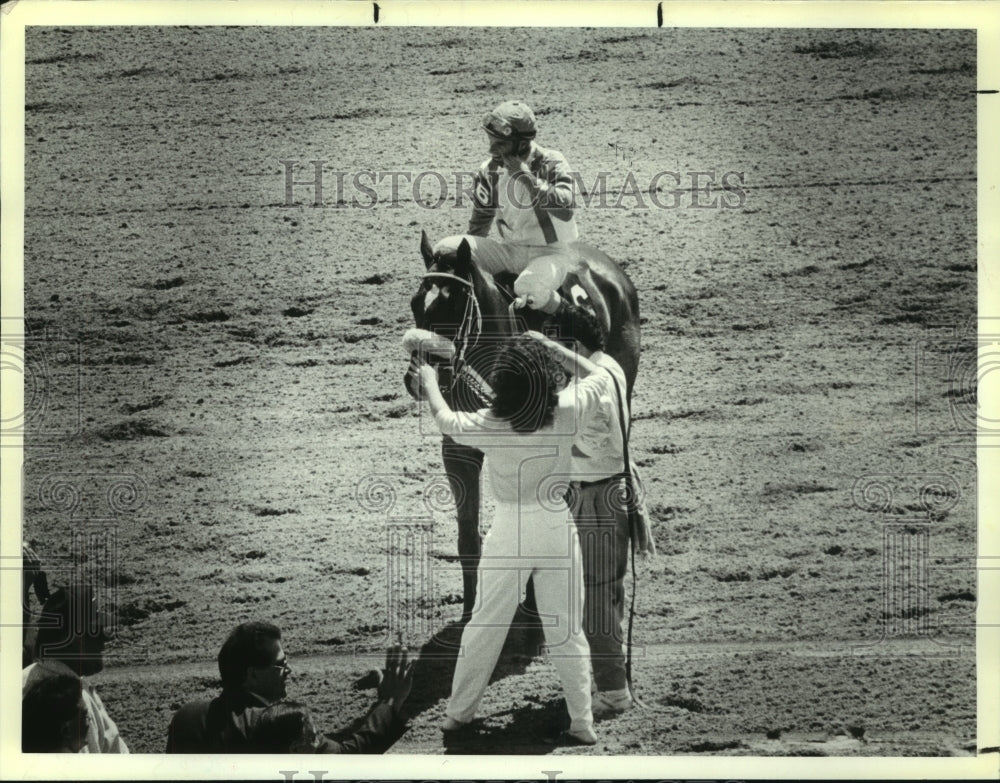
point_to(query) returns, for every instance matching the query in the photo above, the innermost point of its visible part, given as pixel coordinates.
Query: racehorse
(458, 301)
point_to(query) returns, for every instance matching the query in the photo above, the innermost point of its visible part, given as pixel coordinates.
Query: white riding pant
(527, 542)
(541, 269)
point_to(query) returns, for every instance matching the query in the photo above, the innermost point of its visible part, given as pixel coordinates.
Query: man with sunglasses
(254, 670)
(528, 192)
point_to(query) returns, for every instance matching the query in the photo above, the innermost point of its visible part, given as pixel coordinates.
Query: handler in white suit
(527, 437)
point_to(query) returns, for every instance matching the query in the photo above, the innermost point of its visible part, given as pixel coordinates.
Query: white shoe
(583, 736)
(605, 703)
(450, 724)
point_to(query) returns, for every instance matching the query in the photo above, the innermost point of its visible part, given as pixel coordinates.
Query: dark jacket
(224, 724)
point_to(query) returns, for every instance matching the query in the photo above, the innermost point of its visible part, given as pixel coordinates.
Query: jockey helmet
(510, 120)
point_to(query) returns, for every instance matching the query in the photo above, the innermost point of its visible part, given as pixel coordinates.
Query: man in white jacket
(598, 501)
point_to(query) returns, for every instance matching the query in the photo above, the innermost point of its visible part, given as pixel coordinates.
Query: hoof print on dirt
(807, 446)
(350, 339)
(209, 317)
(358, 571)
(133, 429)
(297, 312)
(235, 362)
(779, 490)
(837, 50)
(663, 513)
(342, 361)
(962, 595)
(133, 612)
(153, 402)
(333, 641)
(202, 317)
(165, 284)
(713, 746)
(750, 401)
(267, 511)
(248, 599)
(376, 279)
(366, 630)
(759, 573)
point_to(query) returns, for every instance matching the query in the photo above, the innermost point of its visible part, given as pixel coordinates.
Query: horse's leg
(463, 465)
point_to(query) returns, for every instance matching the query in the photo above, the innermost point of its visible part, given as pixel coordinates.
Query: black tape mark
(376, 12)
(659, 14)
(987, 92)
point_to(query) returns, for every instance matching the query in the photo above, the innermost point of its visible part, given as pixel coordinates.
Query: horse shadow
(532, 728)
(434, 667)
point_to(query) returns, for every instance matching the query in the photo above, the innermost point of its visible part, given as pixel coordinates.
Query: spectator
(254, 670)
(54, 717)
(71, 638)
(32, 578)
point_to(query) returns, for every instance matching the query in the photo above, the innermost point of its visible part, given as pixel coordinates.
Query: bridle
(469, 330)
(470, 327)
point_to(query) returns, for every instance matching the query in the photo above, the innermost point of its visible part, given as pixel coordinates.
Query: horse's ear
(463, 259)
(426, 250)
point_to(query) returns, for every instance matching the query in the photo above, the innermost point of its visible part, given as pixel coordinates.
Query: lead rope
(630, 500)
(512, 317)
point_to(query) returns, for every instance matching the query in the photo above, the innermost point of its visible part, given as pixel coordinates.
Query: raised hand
(398, 680)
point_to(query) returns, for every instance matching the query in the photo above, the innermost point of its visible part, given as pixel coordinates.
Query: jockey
(528, 191)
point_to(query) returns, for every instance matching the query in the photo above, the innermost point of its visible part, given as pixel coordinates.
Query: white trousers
(541, 269)
(527, 542)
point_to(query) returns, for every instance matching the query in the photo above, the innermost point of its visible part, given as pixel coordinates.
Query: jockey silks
(520, 217)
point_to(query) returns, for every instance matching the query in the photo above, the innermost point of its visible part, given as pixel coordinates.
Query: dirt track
(241, 358)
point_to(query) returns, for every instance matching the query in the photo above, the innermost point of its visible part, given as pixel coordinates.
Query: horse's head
(446, 302)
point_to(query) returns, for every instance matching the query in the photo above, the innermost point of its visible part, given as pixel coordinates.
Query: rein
(471, 325)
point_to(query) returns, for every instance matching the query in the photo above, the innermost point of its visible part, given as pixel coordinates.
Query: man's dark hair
(575, 323)
(71, 630)
(247, 645)
(46, 709)
(525, 384)
(279, 726)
